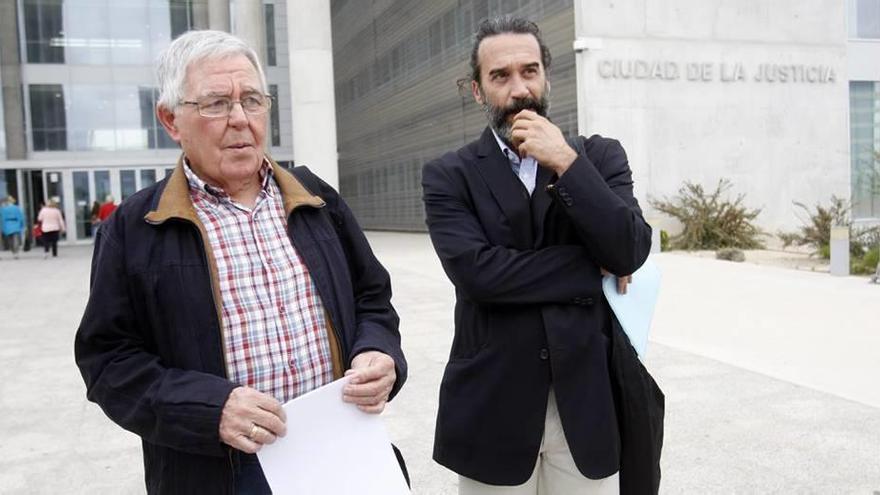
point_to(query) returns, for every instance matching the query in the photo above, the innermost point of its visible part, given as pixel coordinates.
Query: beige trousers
(555, 472)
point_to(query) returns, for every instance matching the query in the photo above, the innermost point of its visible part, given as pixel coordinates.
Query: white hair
(196, 46)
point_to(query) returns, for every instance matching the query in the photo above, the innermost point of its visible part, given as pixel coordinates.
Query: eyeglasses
(220, 106)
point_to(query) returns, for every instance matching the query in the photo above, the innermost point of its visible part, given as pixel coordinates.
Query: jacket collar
(510, 194)
(175, 201)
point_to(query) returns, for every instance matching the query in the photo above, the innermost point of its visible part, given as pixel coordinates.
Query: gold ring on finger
(254, 430)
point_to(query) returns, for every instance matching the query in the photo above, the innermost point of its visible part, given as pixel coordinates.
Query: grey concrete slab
(731, 426)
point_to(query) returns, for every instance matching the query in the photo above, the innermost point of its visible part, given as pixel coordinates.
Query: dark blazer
(150, 346)
(529, 311)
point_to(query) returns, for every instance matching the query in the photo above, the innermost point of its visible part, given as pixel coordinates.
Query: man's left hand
(372, 377)
(535, 136)
(622, 282)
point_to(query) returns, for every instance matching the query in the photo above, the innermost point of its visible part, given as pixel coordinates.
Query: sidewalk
(770, 377)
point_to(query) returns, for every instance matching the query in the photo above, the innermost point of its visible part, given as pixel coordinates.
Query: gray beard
(499, 117)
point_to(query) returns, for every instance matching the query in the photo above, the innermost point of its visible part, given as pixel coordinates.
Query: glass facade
(397, 105)
(864, 19)
(48, 122)
(83, 209)
(148, 178)
(43, 27)
(271, 51)
(102, 32)
(127, 183)
(95, 117)
(88, 90)
(865, 148)
(275, 121)
(2, 128)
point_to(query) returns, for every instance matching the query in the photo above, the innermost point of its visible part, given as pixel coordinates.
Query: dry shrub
(711, 221)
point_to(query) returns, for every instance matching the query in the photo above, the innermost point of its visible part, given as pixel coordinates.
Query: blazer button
(589, 301)
(545, 354)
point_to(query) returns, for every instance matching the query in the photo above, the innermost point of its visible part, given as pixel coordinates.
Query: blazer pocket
(471, 335)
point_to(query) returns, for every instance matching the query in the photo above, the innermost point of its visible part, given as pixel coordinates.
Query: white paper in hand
(635, 309)
(331, 447)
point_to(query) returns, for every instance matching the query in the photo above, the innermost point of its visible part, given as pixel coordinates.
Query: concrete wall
(684, 85)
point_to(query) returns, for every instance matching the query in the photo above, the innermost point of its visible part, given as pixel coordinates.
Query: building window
(102, 32)
(864, 19)
(864, 105)
(148, 178)
(2, 132)
(269, 11)
(127, 183)
(43, 29)
(181, 16)
(48, 121)
(274, 116)
(156, 135)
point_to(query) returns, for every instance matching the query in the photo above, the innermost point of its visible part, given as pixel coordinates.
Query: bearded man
(533, 398)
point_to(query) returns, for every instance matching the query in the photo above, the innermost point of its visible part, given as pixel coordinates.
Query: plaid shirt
(274, 323)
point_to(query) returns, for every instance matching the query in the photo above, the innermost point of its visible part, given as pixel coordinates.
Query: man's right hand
(251, 419)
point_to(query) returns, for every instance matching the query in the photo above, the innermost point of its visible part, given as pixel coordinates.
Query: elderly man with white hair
(229, 288)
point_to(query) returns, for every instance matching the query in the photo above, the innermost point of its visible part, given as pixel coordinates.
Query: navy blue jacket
(150, 344)
(530, 313)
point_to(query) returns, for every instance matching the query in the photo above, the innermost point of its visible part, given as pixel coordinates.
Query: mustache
(504, 113)
(499, 117)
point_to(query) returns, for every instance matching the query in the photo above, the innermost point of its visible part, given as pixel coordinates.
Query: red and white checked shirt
(273, 319)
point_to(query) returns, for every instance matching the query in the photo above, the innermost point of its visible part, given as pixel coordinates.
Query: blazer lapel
(541, 201)
(511, 196)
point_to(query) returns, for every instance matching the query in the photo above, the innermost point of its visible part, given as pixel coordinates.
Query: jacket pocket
(471, 332)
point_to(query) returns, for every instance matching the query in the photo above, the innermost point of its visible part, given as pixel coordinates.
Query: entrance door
(90, 189)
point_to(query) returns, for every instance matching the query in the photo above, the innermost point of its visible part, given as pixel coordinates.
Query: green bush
(816, 229)
(664, 240)
(866, 264)
(816, 232)
(710, 221)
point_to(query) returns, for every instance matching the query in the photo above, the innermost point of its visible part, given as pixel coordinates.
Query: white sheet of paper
(331, 447)
(635, 309)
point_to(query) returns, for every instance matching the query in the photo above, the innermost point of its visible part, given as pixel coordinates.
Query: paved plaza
(772, 377)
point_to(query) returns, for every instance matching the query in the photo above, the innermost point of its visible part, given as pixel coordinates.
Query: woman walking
(52, 223)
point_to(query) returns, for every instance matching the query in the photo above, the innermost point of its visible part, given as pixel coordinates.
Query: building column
(200, 15)
(249, 23)
(313, 105)
(10, 73)
(218, 15)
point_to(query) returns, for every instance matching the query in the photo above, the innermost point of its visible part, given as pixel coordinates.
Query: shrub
(816, 229)
(867, 264)
(864, 243)
(664, 240)
(710, 221)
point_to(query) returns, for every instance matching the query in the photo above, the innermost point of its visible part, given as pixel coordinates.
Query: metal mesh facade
(396, 63)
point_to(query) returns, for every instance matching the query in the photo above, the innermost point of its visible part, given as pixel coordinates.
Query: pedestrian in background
(52, 224)
(12, 225)
(108, 207)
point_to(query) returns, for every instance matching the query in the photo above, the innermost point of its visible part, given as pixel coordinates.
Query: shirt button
(545, 354)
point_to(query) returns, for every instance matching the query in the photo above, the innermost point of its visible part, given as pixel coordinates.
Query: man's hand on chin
(535, 136)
